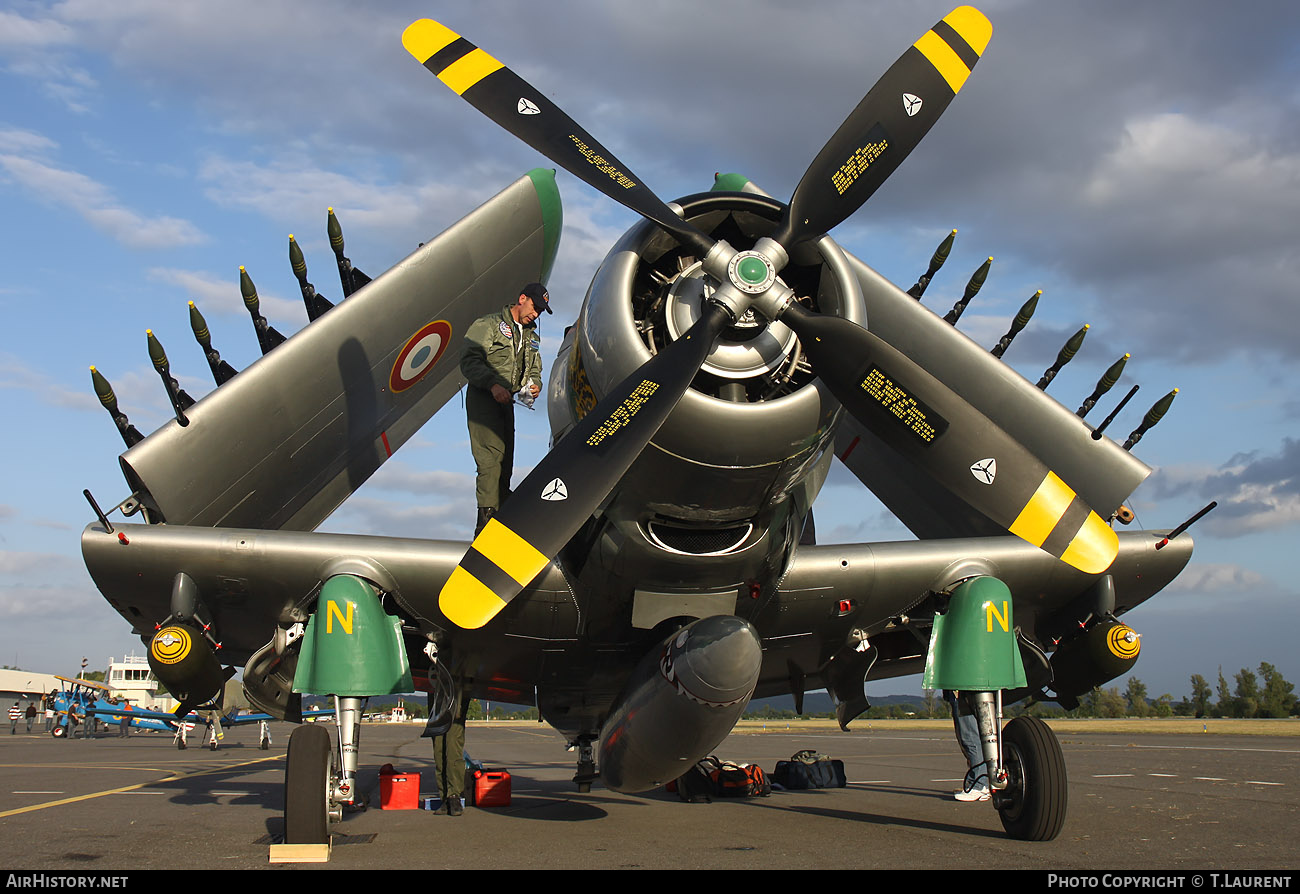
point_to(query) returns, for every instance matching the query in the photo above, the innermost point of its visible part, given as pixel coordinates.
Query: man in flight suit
(499, 359)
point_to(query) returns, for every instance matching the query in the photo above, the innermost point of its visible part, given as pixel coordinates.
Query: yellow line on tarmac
(128, 788)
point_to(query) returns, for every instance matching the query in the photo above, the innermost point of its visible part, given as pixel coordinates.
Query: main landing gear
(1026, 770)
(1032, 805)
(974, 652)
(586, 774)
(320, 782)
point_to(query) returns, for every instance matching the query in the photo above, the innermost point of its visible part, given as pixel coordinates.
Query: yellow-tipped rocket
(267, 337)
(936, 261)
(972, 289)
(1154, 415)
(179, 399)
(316, 303)
(222, 371)
(1104, 384)
(1068, 350)
(104, 391)
(1020, 322)
(349, 277)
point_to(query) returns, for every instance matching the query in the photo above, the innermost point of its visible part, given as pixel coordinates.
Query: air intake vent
(699, 541)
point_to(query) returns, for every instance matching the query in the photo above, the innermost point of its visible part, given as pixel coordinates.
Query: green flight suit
(497, 351)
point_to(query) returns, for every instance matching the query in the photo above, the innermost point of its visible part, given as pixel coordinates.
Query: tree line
(1265, 693)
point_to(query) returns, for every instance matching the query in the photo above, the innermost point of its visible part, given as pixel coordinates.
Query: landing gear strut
(586, 763)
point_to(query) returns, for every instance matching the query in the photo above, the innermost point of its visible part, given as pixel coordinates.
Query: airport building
(131, 678)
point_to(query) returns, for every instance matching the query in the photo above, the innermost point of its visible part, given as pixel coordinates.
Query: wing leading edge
(882, 590)
(283, 443)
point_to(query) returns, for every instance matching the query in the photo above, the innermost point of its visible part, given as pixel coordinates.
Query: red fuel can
(491, 788)
(399, 791)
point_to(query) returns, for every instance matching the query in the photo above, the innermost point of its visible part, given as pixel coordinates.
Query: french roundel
(420, 354)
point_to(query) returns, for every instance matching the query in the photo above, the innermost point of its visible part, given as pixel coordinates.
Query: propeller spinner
(875, 383)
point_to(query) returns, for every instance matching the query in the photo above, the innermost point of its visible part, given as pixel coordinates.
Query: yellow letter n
(332, 609)
(991, 611)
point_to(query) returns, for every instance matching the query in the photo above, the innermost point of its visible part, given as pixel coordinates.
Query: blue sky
(1139, 163)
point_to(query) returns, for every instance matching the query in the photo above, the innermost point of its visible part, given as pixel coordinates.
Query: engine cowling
(756, 409)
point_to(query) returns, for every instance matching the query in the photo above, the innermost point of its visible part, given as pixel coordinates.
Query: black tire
(306, 786)
(1032, 806)
(59, 732)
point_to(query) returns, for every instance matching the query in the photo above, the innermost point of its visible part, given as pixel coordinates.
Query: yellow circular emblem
(170, 645)
(1123, 642)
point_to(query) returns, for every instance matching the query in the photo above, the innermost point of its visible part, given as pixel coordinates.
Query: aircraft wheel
(307, 778)
(59, 732)
(180, 745)
(1032, 807)
(266, 743)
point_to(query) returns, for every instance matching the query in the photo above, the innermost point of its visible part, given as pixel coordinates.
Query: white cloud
(447, 520)
(291, 190)
(220, 295)
(24, 142)
(1255, 491)
(1169, 168)
(96, 203)
(18, 374)
(1218, 579)
(401, 477)
(19, 31)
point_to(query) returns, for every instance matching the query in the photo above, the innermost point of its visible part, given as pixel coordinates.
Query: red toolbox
(398, 791)
(490, 788)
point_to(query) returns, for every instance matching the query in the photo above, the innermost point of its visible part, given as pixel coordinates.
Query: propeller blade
(566, 487)
(510, 101)
(966, 452)
(889, 121)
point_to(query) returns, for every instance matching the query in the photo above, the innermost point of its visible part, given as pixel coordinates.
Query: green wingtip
(548, 195)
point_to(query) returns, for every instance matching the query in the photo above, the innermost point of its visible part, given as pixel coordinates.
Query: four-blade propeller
(909, 409)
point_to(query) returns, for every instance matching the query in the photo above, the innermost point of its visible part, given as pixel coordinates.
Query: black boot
(484, 513)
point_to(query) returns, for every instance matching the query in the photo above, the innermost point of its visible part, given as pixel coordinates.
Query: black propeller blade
(919, 416)
(566, 487)
(513, 103)
(886, 125)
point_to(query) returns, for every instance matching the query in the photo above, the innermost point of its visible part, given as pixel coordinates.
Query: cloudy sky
(1138, 162)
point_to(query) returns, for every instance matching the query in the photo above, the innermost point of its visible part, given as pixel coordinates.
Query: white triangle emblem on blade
(985, 470)
(527, 107)
(554, 491)
(911, 104)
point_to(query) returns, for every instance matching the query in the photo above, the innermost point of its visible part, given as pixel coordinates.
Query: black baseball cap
(537, 292)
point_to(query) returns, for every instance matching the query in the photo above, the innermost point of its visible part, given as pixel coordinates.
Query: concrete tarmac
(1136, 802)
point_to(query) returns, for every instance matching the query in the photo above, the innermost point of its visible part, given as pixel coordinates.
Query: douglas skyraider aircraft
(658, 568)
